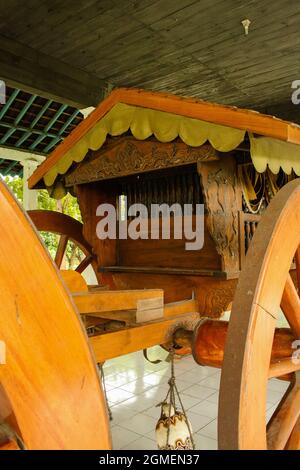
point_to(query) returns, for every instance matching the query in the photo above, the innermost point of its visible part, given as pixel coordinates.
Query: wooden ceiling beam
(36, 72)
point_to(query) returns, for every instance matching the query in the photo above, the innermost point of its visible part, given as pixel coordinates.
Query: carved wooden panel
(223, 199)
(128, 156)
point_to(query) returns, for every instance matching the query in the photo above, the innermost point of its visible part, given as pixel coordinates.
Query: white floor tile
(121, 437)
(140, 423)
(121, 413)
(194, 376)
(198, 421)
(205, 408)
(214, 398)
(117, 395)
(199, 392)
(278, 385)
(117, 380)
(154, 412)
(188, 401)
(143, 443)
(210, 430)
(135, 387)
(205, 442)
(273, 396)
(156, 379)
(213, 381)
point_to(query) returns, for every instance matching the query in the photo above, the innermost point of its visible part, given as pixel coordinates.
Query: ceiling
(193, 48)
(30, 123)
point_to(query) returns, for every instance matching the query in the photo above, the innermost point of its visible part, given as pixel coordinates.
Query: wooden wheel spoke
(294, 440)
(285, 418)
(61, 248)
(283, 366)
(10, 444)
(84, 263)
(69, 229)
(290, 305)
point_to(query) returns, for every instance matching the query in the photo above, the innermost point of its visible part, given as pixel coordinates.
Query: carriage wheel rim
(242, 406)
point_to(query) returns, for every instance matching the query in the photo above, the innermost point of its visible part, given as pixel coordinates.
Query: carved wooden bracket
(223, 201)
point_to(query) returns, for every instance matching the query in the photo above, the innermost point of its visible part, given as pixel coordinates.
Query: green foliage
(68, 205)
(16, 185)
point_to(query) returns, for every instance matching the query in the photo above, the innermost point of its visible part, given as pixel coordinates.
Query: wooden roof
(250, 121)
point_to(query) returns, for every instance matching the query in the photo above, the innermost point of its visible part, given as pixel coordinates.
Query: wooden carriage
(143, 147)
(155, 148)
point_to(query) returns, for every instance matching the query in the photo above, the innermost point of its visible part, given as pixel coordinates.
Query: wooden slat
(281, 426)
(290, 305)
(282, 367)
(109, 301)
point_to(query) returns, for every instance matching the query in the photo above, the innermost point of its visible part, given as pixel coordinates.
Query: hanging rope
(174, 416)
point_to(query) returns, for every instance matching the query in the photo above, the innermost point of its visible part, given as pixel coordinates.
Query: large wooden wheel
(265, 284)
(68, 229)
(50, 394)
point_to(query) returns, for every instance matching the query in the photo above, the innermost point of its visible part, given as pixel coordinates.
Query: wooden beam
(130, 316)
(35, 72)
(109, 345)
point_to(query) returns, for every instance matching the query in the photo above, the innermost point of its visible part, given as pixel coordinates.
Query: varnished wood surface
(69, 229)
(258, 297)
(113, 344)
(232, 117)
(102, 301)
(49, 383)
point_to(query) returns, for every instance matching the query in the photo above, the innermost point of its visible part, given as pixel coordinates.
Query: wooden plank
(129, 316)
(149, 309)
(109, 345)
(180, 308)
(109, 301)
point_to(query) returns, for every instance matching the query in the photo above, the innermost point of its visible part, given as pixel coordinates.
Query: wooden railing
(247, 226)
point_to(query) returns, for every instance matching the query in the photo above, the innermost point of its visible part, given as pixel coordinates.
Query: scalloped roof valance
(167, 117)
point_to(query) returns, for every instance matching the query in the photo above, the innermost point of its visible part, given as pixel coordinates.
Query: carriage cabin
(151, 148)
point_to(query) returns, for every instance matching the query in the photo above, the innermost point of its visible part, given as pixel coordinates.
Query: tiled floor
(135, 387)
